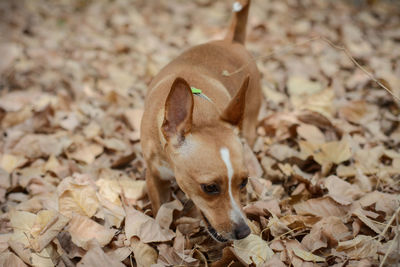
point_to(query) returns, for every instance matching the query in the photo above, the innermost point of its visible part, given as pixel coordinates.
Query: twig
(382, 234)
(320, 38)
(370, 75)
(388, 251)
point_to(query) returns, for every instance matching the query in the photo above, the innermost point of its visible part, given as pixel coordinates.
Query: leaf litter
(325, 168)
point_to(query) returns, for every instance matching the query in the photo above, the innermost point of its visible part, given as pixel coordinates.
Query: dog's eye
(243, 183)
(211, 189)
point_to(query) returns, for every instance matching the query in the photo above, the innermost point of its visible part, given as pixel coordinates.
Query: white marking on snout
(236, 214)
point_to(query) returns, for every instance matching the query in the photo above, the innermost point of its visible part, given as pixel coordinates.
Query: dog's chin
(213, 233)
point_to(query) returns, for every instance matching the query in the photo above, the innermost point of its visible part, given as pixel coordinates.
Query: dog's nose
(241, 231)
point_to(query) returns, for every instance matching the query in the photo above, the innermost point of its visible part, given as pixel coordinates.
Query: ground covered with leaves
(325, 169)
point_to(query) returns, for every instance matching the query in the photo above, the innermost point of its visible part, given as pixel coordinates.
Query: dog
(193, 119)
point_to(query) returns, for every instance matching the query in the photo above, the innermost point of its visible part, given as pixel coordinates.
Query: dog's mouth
(213, 233)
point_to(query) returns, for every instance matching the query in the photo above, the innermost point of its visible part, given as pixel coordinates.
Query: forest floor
(325, 169)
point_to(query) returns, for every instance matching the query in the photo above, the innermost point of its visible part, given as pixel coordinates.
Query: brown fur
(182, 134)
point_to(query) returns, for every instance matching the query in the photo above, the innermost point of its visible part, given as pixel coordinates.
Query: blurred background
(73, 77)
(76, 46)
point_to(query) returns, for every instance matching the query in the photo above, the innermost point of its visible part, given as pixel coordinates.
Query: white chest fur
(165, 171)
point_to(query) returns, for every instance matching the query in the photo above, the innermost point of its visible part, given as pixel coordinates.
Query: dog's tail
(237, 29)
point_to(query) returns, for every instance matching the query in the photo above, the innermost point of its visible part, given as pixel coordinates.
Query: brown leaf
(165, 213)
(144, 254)
(331, 152)
(96, 257)
(145, 227)
(77, 195)
(341, 191)
(10, 259)
(252, 249)
(46, 227)
(263, 207)
(83, 229)
(321, 207)
(360, 247)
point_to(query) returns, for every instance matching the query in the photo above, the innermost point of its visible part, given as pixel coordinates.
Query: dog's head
(208, 160)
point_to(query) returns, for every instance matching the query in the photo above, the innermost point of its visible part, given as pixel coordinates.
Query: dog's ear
(178, 111)
(234, 112)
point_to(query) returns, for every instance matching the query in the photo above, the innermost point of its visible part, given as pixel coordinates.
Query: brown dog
(191, 136)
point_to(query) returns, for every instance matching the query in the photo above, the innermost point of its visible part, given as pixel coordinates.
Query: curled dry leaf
(144, 254)
(361, 246)
(263, 207)
(85, 153)
(321, 207)
(327, 153)
(328, 231)
(47, 225)
(112, 214)
(111, 189)
(165, 213)
(10, 259)
(387, 203)
(96, 257)
(77, 196)
(83, 229)
(311, 133)
(252, 250)
(359, 111)
(168, 256)
(22, 223)
(342, 191)
(146, 228)
(10, 162)
(277, 227)
(307, 256)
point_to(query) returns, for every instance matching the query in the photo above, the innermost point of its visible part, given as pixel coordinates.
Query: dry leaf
(46, 227)
(331, 152)
(96, 257)
(111, 189)
(10, 259)
(252, 249)
(307, 256)
(321, 207)
(10, 162)
(144, 254)
(360, 247)
(83, 229)
(165, 213)
(341, 191)
(86, 153)
(76, 196)
(145, 227)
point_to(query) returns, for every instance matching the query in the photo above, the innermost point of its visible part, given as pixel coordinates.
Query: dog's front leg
(158, 190)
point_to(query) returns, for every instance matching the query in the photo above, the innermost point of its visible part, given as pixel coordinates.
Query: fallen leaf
(145, 227)
(342, 191)
(77, 197)
(252, 250)
(10, 162)
(144, 254)
(96, 257)
(360, 247)
(307, 256)
(83, 229)
(85, 153)
(10, 259)
(46, 227)
(165, 213)
(331, 152)
(321, 207)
